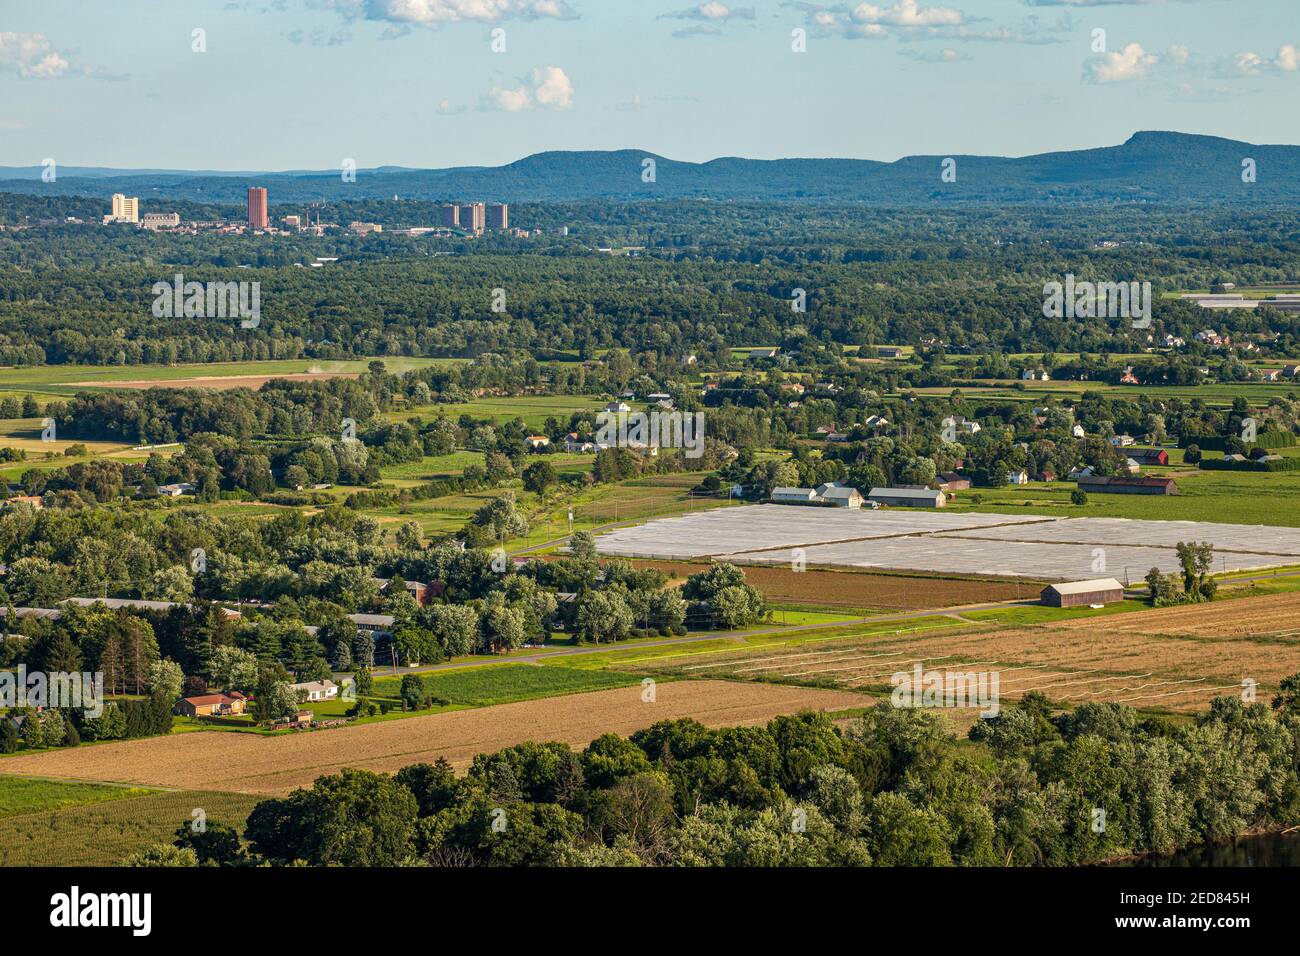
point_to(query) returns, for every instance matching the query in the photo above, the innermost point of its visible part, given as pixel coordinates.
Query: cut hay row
(863, 681)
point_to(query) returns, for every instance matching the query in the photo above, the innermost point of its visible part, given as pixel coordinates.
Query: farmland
(1169, 659)
(969, 543)
(508, 683)
(246, 763)
(895, 592)
(20, 796)
(102, 833)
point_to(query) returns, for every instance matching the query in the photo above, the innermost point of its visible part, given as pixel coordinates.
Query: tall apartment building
(125, 208)
(473, 217)
(498, 216)
(451, 216)
(257, 207)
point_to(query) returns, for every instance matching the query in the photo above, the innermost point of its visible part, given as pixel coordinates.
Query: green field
(1223, 496)
(533, 409)
(103, 833)
(507, 683)
(24, 795)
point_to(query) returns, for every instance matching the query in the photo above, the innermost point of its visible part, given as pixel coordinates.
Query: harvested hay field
(894, 592)
(219, 382)
(1174, 659)
(248, 763)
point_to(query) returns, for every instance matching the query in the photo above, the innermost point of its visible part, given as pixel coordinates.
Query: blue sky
(287, 84)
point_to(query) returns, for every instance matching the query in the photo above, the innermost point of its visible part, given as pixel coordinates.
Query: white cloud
(907, 13)
(1179, 54)
(713, 11)
(31, 56)
(946, 55)
(914, 20)
(547, 86)
(430, 12)
(1131, 63)
(1288, 58)
(1248, 63)
(552, 87)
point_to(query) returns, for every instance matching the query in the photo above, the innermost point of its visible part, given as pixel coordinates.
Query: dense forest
(708, 276)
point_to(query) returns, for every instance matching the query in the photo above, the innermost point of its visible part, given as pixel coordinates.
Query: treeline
(893, 789)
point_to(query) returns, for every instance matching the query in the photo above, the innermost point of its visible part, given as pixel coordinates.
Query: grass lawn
(22, 795)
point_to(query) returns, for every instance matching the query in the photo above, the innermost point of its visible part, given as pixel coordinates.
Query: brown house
(951, 481)
(211, 705)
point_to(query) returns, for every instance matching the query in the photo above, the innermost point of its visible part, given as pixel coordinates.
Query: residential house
(1078, 432)
(951, 481)
(316, 690)
(420, 591)
(535, 442)
(1122, 441)
(575, 443)
(211, 705)
(176, 490)
(618, 408)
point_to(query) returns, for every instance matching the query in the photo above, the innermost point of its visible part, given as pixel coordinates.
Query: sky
(307, 84)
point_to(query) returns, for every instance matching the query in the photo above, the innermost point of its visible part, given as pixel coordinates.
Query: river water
(1271, 849)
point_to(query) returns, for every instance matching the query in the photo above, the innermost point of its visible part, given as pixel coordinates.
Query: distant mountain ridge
(1150, 167)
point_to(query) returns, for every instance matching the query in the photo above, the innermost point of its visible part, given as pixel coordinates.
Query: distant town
(466, 220)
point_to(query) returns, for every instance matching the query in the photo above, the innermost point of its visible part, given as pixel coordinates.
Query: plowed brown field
(248, 763)
(855, 589)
